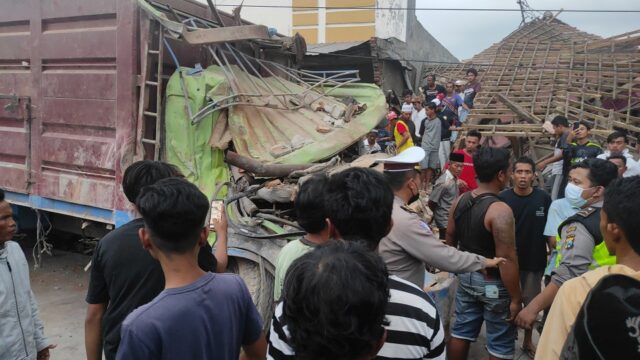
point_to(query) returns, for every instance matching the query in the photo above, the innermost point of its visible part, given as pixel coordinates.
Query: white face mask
(573, 194)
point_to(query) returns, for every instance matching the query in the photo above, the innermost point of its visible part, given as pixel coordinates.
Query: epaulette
(586, 211)
(408, 209)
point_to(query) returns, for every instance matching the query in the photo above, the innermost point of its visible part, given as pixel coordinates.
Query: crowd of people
(525, 256)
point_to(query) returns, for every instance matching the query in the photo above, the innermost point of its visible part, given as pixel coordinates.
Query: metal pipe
(260, 169)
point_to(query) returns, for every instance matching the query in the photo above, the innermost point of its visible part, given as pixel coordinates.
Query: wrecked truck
(89, 86)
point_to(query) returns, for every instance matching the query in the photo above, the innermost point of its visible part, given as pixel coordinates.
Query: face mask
(415, 197)
(573, 194)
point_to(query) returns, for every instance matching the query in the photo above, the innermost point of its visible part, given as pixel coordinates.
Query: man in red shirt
(467, 177)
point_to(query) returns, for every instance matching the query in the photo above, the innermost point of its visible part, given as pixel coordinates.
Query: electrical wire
(302, 8)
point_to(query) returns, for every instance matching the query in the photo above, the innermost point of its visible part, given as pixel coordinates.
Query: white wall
(279, 18)
(391, 23)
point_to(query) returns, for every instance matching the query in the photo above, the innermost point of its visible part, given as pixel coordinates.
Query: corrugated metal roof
(327, 48)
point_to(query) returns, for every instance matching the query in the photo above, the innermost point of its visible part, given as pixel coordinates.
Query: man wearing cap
(401, 130)
(445, 191)
(411, 244)
(430, 130)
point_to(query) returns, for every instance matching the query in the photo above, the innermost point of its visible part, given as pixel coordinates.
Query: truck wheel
(260, 284)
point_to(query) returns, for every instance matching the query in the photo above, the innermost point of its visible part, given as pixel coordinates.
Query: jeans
(475, 305)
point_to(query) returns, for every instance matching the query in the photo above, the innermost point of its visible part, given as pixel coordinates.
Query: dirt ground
(60, 286)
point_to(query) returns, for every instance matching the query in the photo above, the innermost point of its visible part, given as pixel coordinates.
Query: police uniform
(581, 247)
(411, 244)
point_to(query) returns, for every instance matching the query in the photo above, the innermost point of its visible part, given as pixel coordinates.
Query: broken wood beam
(527, 116)
(226, 34)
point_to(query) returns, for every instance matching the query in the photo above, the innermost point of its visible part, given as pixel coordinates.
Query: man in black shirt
(124, 276)
(530, 207)
(431, 90)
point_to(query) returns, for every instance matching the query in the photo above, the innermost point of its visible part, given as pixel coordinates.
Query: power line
(479, 65)
(431, 9)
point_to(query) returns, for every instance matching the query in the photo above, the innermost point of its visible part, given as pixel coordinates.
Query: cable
(429, 9)
(477, 65)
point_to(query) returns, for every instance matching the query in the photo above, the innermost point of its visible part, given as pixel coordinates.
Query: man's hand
(221, 225)
(44, 353)
(541, 165)
(495, 262)
(515, 308)
(462, 185)
(526, 318)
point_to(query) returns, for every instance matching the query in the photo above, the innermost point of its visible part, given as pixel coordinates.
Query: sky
(468, 33)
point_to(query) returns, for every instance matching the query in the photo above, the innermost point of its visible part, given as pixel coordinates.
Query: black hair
(584, 123)
(475, 133)
(433, 76)
(560, 121)
(406, 92)
(621, 203)
(618, 156)
(143, 173)
(334, 302)
(309, 204)
(472, 71)
(489, 161)
(1, 195)
(397, 179)
(431, 105)
(359, 202)
(601, 172)
(615, 135)
(525, 160)
(174, 212)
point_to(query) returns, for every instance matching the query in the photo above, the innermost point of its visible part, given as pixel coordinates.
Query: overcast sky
(468, 33)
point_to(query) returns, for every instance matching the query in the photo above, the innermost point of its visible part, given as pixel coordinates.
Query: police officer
(580, 247)
(411, 244)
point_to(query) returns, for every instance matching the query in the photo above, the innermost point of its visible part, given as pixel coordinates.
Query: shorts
(443, 152)
(473, 307)
(531, 284)
(430, 160)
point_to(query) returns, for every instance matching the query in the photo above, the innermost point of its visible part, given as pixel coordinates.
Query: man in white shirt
(370, 144)
(617, 144)
(418, 114)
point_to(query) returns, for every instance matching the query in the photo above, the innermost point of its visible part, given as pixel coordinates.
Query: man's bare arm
(502, 225)
(451, 225)
(93, 331)
(405, 137)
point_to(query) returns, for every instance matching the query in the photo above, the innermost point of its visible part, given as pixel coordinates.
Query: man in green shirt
(312, 218)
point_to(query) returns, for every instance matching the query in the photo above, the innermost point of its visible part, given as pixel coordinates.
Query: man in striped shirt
(360, 202)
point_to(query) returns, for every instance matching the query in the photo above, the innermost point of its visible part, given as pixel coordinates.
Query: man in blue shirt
(199, 315)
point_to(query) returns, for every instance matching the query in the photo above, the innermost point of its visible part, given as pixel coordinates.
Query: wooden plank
(529, 117)
(226, 34)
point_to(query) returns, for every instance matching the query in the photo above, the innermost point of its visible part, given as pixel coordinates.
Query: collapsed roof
(547, 68)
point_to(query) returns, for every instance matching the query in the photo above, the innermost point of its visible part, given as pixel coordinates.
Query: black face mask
(414, 198)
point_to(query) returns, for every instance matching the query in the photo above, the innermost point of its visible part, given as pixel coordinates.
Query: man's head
(492, 166)
(431, 80)
(472, 74)
(524, 171)
(559, 123)
(431, 109)
(309, 203)
(456, 164)
(620, 161)
(588, 180)
(450, 87)
(619, 220)
(392, 117)
(334, 302)
(459, 85)
(581, 130)
(617, 142)
(472, 141)
(407, 95)
(359, 203)
(405, 184)
(8, 226)
(372, 136)
(417, 102)
(143, 173)
(174, 213)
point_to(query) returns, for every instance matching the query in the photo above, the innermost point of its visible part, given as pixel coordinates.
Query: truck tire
(259, 283)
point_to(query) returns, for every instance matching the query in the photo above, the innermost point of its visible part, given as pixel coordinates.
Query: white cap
(436, 101)
(406, 160)
(460, 82)
(407, 108)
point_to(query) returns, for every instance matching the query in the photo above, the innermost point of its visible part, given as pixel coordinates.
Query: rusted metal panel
(91, 43)
(79, 84)
(14, 46)
(80, 112)
(13, 146)
(79, 8)
(16, 82)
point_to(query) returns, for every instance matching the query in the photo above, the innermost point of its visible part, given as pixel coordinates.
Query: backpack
(608, 324)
